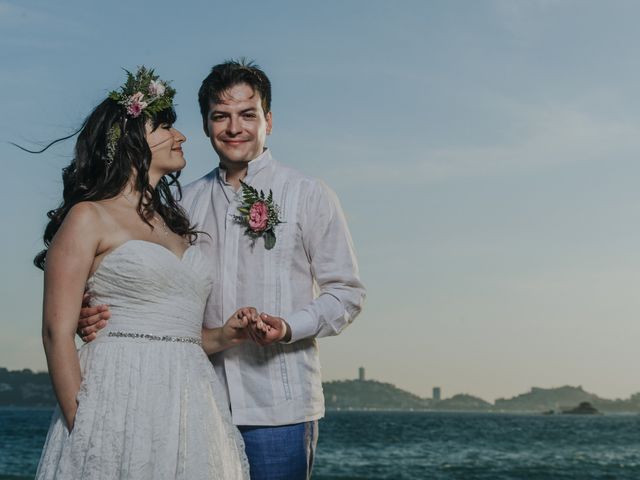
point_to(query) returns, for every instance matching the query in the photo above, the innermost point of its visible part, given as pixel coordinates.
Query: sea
(377, 445)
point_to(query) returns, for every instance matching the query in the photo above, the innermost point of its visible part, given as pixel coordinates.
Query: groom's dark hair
(228, 74)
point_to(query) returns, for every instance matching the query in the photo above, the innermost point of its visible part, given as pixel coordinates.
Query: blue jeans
(281, 453)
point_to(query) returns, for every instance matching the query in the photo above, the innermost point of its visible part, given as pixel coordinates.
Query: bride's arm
(232, 333)
(68, 263)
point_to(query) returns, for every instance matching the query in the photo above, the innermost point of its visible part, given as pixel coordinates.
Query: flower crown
(142, 94)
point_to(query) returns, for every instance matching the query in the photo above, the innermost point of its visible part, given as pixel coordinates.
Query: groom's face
(237, 126)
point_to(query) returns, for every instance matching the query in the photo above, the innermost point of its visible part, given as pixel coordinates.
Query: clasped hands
(263, 329)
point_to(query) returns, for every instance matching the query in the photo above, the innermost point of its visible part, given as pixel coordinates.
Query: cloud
(17, 18)
(519, 17)
(551, 136)
(13, 13)
(5, 9)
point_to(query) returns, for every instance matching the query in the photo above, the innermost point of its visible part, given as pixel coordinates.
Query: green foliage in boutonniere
(259, 214)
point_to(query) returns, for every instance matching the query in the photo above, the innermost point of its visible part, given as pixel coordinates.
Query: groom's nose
(234, 126)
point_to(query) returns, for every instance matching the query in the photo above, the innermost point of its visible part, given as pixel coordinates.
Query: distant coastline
(25, 388)
(373, 395)
(28, 389)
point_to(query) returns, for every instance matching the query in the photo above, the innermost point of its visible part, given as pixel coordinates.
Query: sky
(485, 154)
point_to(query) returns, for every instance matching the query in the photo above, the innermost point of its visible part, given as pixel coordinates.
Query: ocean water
(421, 445)
(433, 445)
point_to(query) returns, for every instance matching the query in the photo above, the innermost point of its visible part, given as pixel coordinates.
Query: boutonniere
(259, 214)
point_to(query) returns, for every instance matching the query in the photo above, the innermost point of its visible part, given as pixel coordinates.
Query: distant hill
(564, 398)
(25, 388)
(462, 402)
(369, 394)
(545, 399)
(632, 404)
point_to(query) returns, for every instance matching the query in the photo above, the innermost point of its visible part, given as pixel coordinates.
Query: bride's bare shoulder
(83, 212)
(88, 216)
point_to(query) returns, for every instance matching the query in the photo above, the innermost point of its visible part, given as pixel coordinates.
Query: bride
(140, 401)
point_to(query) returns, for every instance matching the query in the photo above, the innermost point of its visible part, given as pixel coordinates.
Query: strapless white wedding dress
(150, 405)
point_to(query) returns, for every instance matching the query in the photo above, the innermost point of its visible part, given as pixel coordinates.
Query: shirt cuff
(302, 326)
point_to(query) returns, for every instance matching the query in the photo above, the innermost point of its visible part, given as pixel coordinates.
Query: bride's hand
(70, 418)
(234, 330)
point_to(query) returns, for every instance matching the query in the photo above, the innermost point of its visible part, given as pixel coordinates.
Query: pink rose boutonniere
(259, 214)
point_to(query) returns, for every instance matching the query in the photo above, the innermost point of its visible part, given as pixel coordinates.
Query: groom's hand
(269, 329)
(91, 319)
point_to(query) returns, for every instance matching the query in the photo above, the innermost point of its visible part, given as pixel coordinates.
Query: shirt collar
(255, 165)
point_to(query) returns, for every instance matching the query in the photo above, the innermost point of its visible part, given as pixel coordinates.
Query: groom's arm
(329, 248)
(334, 267)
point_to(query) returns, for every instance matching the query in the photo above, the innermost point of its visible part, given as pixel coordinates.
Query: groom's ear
(205, 127)
(269, 118)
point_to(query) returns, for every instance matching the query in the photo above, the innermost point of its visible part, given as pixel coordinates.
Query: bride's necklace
(157, 219)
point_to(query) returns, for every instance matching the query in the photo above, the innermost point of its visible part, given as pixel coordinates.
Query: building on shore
(361, 374)
(436, 394)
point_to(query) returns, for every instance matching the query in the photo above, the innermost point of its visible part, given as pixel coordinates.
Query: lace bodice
(149, 289)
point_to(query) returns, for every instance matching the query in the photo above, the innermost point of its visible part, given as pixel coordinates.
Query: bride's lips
(179, 149)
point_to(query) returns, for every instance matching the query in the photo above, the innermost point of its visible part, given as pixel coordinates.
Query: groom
(274, 263)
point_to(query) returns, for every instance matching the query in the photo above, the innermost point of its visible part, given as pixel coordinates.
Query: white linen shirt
(310, 278)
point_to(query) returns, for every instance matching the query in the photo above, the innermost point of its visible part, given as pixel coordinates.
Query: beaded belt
(158, 338)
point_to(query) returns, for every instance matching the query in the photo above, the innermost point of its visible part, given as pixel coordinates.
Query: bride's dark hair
(95, 175)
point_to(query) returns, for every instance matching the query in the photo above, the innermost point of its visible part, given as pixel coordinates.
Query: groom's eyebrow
(249, 109)
(241, 112)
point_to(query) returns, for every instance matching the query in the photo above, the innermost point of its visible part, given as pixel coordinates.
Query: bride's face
(165, 143)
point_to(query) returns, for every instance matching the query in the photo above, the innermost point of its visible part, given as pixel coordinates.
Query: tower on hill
(361, 374)
(436, 394)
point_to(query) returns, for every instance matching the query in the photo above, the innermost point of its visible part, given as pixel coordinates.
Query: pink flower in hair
(135, 105)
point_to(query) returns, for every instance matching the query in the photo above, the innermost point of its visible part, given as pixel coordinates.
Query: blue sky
(485, 154)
